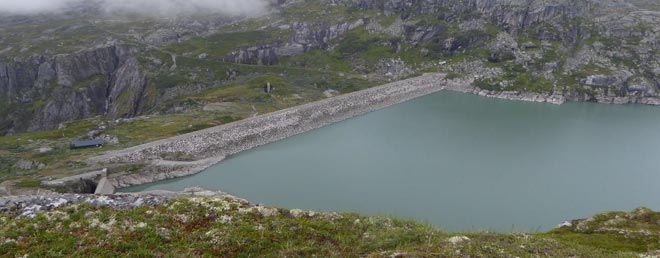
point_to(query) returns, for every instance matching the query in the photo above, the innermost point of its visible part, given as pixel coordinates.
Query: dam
(457, 161)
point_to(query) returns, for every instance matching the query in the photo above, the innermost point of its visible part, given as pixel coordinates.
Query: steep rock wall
(306, 36)
(42, 91)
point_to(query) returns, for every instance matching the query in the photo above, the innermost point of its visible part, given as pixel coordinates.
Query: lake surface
(460, 162)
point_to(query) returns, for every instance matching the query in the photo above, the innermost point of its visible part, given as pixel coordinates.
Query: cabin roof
(87, 143)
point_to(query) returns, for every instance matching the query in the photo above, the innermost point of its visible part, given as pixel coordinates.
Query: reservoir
(459, 162)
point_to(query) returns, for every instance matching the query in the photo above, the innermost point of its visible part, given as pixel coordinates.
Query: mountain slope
(55, 69)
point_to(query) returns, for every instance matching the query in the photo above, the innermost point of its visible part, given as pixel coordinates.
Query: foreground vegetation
(208, 227)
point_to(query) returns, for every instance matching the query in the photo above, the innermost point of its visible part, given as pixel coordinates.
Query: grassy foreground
(206, 227)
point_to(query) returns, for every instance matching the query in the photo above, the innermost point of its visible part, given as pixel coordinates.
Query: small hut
(87, 144)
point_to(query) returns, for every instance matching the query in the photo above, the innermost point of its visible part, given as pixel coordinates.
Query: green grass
(28, 184)
(208, 227)
(519, 79)
(319, 59)
(610, 242)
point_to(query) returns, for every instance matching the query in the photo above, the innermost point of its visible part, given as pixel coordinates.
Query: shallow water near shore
(459, 162)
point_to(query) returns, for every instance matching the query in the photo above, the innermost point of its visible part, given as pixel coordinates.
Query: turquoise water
(460, 162)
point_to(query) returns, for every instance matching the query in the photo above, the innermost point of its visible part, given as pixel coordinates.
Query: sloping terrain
(155, 226)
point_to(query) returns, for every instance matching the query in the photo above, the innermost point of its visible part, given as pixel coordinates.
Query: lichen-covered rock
(393, 68)
(306, 36)
(28, 165)
(30, 206)
(639, 222)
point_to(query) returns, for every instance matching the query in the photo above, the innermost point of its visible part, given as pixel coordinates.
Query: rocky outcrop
(28, 165)
(513, 15)
(465, 86)
(522, 96)
(637, 223)
(306, 36)
(416, 34)
(43, 91)
(31, 205)
(259, 55)
(393, 68)
(318, 35)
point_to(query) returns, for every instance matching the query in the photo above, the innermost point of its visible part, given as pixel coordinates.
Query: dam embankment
(211, 145)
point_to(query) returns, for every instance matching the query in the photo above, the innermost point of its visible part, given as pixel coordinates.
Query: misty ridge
(138, 7)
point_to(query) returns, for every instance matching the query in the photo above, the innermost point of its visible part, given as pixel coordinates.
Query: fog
(141, 7)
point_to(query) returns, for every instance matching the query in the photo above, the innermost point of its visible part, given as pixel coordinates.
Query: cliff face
(42, 91)
(512, 15)
(306, 36)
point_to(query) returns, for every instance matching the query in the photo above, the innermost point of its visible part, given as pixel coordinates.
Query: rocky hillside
(202, 223)
(73, 86)
(85, 63)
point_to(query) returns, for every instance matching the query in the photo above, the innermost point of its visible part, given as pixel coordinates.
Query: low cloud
(33, 6)
(140, 7)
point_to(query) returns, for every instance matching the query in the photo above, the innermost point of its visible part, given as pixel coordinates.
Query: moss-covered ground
(208, 227)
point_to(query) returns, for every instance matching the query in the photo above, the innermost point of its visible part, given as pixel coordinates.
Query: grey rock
(28, 165)
(259, 55)
(44, 149)
(79, 84)
(306, 36)
(393, 68)
(329, 93)
(104, 187)
(31, 206)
